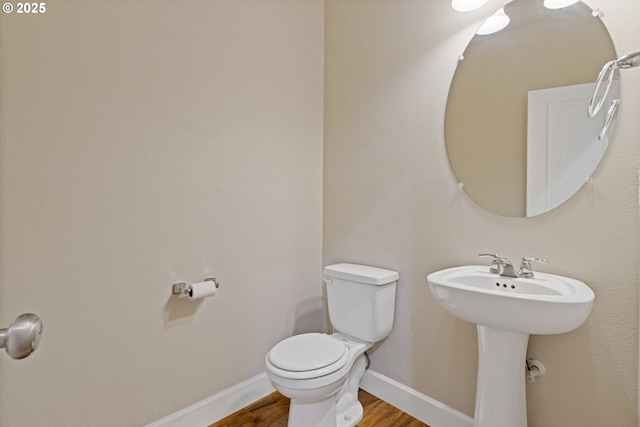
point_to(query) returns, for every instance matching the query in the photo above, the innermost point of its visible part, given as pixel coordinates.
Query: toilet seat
(307, 356)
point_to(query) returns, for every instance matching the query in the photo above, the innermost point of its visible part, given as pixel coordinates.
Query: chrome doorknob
(22, 337)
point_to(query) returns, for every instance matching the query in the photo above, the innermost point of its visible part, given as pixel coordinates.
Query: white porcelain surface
(321, 373)
(361, 300)
(544, 304)
(313, 400)
(507, 310)
(279, 363)
(361, 273)
(307, 352)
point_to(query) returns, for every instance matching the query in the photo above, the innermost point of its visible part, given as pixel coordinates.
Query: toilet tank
(361, 300)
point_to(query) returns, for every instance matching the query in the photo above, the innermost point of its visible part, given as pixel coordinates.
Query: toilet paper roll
(202, 289)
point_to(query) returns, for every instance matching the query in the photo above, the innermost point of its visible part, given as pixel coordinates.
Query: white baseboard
(228, 401)
(219, 405)
(418, 405)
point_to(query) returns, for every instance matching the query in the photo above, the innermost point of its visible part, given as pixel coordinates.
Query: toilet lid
(307, 352)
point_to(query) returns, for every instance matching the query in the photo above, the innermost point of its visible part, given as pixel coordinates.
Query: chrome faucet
(500, 265)
(495, 259)
(504, 266)
(525, 266)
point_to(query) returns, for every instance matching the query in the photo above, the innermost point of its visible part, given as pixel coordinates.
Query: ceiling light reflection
(494, 23)
(467, 5)
(558, 4)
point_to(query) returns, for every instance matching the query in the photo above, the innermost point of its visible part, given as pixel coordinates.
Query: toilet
(321, 373)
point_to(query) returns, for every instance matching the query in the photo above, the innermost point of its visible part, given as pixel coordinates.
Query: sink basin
(506, 311)
(544, 304)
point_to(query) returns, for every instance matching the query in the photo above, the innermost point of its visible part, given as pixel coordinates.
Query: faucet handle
(526, 261)
(505, 261)
(495, 262)
(525, 266)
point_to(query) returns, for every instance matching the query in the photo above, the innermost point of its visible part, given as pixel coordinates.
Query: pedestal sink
(506, 311)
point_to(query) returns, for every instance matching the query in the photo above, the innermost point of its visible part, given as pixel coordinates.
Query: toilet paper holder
(184, 289)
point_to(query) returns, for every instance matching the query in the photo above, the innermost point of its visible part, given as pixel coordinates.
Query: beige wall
(152, 142)
(390, 199)
(141, 144)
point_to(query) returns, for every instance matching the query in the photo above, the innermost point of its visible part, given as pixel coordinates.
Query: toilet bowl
(314, 371)
(321, 373)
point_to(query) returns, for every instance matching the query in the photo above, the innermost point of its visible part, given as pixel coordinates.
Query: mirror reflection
(516, 126)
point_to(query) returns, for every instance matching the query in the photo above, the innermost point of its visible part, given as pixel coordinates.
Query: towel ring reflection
(609, 70)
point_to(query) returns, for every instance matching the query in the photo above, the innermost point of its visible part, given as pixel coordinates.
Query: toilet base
(349, 410)
(341, 410)
(316, 414)
(351, 416)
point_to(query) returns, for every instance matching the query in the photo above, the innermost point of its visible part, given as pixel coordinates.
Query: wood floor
(272, 411)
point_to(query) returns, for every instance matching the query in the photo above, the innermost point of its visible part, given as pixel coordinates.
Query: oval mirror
(516, 126)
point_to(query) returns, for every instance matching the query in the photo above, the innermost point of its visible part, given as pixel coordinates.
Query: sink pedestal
(507, 310)
(500, 393)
